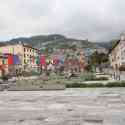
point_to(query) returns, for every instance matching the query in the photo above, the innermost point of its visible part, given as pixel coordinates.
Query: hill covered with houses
(54, 41)
(55, 52)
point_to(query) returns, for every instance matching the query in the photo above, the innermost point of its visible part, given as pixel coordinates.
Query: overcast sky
(97, 20)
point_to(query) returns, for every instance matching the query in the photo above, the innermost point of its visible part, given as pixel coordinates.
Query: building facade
(26, 53)
(117, 56)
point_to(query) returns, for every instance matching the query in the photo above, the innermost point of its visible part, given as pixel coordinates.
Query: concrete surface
(91, 106)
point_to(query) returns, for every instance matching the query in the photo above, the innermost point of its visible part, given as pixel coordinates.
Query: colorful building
(75, 61)
(27, 54)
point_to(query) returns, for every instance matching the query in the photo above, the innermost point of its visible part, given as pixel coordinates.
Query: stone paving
(100, 106)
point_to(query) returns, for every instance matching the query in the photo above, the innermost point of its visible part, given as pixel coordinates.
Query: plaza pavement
(93, 106)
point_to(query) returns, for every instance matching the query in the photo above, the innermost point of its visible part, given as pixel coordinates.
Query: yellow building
(26, 53)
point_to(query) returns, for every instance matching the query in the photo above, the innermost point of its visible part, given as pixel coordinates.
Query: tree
(97, 59)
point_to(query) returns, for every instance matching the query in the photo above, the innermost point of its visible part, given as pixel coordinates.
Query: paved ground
(68, 107)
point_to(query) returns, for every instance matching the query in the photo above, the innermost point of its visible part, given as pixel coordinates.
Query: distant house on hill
(75, 61)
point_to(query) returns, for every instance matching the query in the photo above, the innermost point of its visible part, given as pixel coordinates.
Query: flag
(42, 60)
(10, 59)
(37, 60)
(16, 60)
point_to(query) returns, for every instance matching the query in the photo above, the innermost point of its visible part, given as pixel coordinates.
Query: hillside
(54, 41)
(109, 44)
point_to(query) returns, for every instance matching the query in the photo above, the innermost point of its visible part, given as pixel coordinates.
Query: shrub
(93, 85)
(35, 73)
(100, 78)
(75, 85)
(84, 85)
(116, 84)
(5, 78)
(87, 76)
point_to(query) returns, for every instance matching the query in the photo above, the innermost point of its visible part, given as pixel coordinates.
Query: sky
(96, 20)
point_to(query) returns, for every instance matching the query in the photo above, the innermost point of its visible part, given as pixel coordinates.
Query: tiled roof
(113, 47)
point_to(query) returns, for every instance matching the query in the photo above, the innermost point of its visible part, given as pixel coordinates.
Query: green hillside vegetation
(54, 41)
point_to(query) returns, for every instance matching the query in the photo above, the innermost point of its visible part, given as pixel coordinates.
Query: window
(24, 49)
(123, 54)
(24, 61)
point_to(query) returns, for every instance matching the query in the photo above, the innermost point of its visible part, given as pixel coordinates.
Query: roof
(25, 45)
(2, 44)
(114, 46)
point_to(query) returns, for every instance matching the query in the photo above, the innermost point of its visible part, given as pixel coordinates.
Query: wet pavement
(102, 106)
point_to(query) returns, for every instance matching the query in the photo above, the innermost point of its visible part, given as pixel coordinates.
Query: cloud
(97, 20)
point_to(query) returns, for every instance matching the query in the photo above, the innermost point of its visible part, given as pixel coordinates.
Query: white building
(117, 57)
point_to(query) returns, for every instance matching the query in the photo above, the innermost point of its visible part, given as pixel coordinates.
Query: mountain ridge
(54, 41)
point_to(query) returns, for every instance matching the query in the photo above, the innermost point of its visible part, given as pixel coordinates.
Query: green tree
(97, 59)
